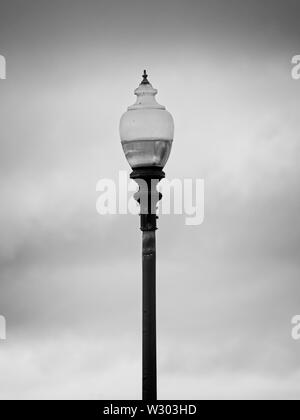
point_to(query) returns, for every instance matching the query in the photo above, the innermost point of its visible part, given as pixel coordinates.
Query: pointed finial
(145, 80)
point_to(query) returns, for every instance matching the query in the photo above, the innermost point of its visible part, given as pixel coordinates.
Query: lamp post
(146, 132)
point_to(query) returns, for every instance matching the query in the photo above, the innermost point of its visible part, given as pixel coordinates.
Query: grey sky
(70, 283)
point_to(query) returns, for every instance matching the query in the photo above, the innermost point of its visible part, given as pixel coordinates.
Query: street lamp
(146, 132)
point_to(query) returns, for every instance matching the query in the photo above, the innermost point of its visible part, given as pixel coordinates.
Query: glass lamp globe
(146, 129)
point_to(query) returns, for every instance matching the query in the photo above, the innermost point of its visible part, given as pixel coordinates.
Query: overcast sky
(70, 279)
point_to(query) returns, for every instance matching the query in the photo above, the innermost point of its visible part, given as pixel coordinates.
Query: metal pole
(149, 317)
(148, 197)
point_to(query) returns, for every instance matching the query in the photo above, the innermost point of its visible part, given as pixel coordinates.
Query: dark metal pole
(149, 317)
(147, 196)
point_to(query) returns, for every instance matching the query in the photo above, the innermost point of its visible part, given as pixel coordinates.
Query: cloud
(70, 280)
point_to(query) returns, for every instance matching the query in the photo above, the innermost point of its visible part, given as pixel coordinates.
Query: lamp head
(146, 129)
